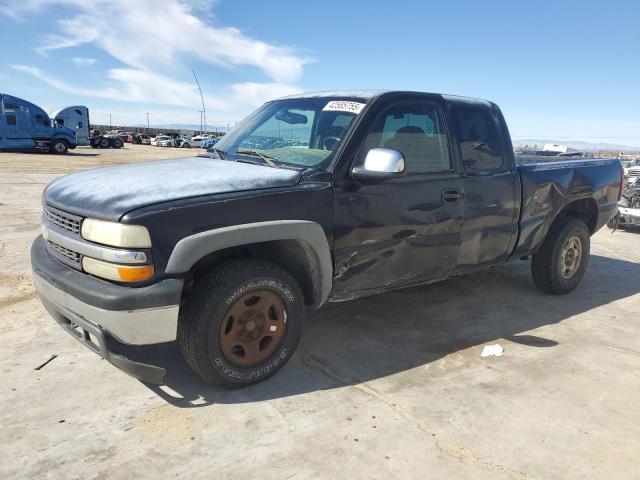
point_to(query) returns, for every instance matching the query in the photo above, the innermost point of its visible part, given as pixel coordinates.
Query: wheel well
(584, 209)
(295, 256)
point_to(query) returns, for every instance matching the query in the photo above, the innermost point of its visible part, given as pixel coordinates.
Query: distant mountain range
(577, 144)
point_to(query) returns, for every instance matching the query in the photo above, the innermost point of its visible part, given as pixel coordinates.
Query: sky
(558, 69)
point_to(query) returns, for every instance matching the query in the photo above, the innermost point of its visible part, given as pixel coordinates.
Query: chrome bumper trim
(134, 327)
(91, 250)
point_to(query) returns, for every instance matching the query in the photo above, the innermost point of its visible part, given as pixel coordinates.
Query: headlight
(118, 273)
(115, 234)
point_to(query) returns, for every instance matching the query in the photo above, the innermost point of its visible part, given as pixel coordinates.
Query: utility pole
(204, 110)
(147, 120)
(109, 120)
(200, 111)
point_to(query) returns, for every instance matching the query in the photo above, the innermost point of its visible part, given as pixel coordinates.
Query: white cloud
(84, 62)
(157, 45)
(254, 93)
(133, 86)
(152, 35)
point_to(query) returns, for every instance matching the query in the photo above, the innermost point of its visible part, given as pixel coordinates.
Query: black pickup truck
(313, 198)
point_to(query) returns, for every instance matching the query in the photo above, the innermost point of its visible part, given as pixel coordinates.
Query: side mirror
(380, 163)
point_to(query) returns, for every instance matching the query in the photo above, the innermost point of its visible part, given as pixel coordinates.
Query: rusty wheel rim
(570, 257)
(253, 328)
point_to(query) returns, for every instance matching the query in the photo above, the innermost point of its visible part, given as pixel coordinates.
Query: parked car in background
(145, 139)
(167, 141)
(156, 140)
(359, 193)
(190, 142)
(208, 142)
(633, 175)
(25, 126)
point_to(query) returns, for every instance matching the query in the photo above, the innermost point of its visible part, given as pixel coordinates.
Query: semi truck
(314, 198)
(75, 117)
(27, 127)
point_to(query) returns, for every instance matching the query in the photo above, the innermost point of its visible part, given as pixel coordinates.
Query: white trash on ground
(492, 351)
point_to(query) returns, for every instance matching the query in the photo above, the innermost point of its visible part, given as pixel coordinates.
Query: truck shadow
(360, 341)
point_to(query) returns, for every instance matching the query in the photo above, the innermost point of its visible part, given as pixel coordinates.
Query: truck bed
(549, 186)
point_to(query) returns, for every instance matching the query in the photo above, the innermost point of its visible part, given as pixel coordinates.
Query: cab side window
(480, 143)
(418, 131)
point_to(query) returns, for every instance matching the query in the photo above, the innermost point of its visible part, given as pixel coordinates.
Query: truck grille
(634, 173)
(62, 220)
(65, 252)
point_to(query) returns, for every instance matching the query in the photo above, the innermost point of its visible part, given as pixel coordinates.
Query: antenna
(204, 110)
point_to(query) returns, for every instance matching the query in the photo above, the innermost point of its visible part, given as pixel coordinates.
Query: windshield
(304, 132)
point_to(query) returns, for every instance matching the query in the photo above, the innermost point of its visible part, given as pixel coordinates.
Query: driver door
(405, 229)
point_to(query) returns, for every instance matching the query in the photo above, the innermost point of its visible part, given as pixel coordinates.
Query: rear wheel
(559, 265)
(117, 143)
(104, 142)
(59, 147)
(242, 323)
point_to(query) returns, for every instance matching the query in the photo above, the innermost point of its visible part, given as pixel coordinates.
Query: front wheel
(59, 147)
(559, 265)
(242, 323)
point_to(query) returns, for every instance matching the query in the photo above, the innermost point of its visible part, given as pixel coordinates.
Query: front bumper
(89, 308)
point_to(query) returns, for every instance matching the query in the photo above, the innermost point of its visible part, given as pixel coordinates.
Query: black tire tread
(53, 150)
(542, 262)
(193, 323)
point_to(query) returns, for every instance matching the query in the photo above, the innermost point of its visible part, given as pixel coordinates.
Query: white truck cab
(75, 117)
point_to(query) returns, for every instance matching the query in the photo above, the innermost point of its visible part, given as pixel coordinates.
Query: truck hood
(108, 193)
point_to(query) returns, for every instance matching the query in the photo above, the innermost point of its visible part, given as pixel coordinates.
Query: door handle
(452, 195)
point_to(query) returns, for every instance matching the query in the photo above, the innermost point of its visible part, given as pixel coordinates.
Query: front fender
(194, 247)
(70, 139)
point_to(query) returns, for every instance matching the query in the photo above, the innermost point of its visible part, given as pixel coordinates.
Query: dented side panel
(394, 232)
(491, 210)
(549, 187)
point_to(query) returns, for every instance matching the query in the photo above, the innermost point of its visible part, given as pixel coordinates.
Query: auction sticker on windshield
(344, 106)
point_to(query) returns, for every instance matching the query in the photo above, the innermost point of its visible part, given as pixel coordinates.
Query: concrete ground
(391, 386)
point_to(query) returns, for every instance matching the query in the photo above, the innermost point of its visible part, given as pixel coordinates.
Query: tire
(59, 147)
(104, 142)
(207, 326)
(117, 143)
(550, 273)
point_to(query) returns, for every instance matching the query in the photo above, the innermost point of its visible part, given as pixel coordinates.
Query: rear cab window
(479, 138)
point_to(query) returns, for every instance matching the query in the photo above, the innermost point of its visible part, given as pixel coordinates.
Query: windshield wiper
(266, 158)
